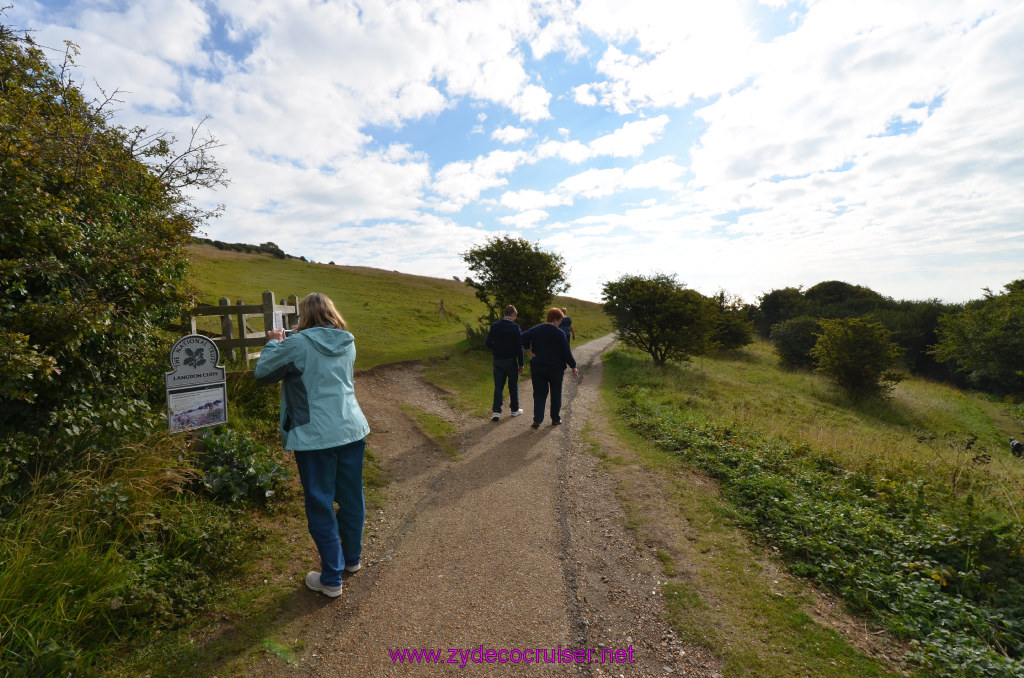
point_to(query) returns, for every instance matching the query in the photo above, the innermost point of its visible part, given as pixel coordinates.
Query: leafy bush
(856, 354)
(235, 469)
(913, 323)
(176, 560)
(91, 558)
(475, 336)
(778, 306)
(793, 340)
(733, 328)
(838, 299)
(986, 341)
(95, 218)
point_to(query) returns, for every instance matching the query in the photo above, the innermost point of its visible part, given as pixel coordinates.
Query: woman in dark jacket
(322, 423)
(549, 348)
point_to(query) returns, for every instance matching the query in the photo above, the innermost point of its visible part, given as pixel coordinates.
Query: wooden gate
(236, 332)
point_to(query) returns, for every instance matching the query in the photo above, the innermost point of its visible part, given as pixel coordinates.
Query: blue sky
(743, 145)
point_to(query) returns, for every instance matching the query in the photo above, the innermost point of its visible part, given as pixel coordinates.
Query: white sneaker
(353, 568)
(495, 416)
(517, 413)
(313, 584)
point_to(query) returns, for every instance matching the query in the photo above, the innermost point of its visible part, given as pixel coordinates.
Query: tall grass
(923, 429)
(112, 550)
(919, 532)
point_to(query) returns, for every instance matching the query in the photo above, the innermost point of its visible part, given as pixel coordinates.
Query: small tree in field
(777, 306)
(793, 340)
(857, 354)
(659, 316)
(733, 327)
(515, 271)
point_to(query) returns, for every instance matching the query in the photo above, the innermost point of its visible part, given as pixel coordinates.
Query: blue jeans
(328, 476)
(544, 378)
(506, 370)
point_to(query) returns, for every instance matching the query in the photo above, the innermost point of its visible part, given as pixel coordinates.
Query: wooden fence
(235, 329)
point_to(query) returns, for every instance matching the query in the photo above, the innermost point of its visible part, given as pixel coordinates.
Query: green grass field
(908, 508)
(920, 430)
(394, 316)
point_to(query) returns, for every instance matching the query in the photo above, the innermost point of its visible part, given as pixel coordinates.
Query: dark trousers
(334, 476)
(545, 378)
(506, 370)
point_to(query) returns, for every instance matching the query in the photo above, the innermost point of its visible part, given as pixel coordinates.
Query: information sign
(196, 387)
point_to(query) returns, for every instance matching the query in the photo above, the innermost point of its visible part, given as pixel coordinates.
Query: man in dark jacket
(505, 339)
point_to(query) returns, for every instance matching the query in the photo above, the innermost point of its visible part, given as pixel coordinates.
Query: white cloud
(685, 50)
(592, 183)
(429, 241)
(526, 200)
(459, 183)
(573, 152)
(559, 31)
(584, 95)
(662, 174)
(524, 220)
(631, 139)
(510, 135)
(170, 30)
(828, 91)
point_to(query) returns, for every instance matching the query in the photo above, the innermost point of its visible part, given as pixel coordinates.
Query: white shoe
(517, 413)
(313, 584)
(495, 416)
(353, 568)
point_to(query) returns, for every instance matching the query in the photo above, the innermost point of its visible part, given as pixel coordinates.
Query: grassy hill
(908, 508)
(395, 316)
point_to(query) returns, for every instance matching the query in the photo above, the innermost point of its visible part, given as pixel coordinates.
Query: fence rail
(237, 316)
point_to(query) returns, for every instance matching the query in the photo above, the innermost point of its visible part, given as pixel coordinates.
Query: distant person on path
(549, 348)
(566, 325)
(505, 339)
(322, 423)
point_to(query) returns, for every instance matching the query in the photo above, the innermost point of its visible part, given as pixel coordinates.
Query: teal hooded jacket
(318, 399)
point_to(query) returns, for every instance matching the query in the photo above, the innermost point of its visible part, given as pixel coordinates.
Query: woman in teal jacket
(322, 423)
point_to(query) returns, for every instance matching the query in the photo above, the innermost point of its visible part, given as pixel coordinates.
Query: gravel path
(518, 542)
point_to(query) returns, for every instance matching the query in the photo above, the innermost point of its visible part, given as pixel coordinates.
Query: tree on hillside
(659, 316)
(985, 341)
(838, 299)
(515, 271)
(95, 218)
(776, 306)
(793, 340)
(857, 354)
(914, 325)
(733, 327)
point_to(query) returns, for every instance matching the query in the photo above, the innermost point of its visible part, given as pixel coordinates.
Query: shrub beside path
(517, 542)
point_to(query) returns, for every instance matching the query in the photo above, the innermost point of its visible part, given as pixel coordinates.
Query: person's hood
(329, 340)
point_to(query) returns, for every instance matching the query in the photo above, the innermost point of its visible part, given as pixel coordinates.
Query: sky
(742, 145)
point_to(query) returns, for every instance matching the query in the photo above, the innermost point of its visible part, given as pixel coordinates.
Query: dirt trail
(516, 543)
